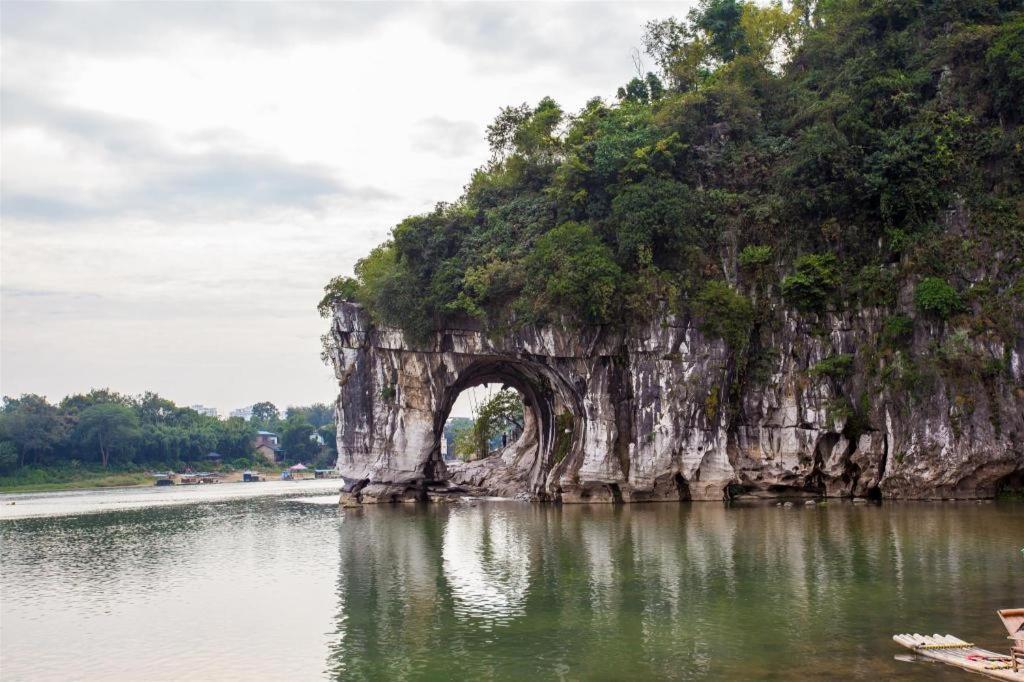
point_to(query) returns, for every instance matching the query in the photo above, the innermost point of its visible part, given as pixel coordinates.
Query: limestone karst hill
(787, 263)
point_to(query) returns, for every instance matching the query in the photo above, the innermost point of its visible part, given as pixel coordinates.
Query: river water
(274, 581)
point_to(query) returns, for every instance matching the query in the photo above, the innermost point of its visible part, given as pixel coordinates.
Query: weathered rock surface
(663, 413)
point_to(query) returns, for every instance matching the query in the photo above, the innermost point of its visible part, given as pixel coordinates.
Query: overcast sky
(179, 180)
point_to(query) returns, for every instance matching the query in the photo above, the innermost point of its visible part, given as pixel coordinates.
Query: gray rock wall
(661, 412)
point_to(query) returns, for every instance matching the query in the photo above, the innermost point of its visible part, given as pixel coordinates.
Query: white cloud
(179, 180)
(438, 135)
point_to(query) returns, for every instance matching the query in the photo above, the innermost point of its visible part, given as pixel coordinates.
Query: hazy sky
(179, 180)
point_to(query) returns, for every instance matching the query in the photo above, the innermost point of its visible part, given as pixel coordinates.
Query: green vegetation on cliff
(822, 158)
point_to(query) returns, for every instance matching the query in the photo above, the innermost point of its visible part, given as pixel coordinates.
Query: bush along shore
(32, 479)
(103, 438)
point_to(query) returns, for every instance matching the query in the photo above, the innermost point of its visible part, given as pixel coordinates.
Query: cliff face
(664, 413)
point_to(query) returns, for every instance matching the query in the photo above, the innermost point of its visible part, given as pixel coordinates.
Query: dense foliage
(113, 430)
(818, 158)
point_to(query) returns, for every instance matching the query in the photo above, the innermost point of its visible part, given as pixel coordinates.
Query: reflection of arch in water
(486, 559)
(388, 590)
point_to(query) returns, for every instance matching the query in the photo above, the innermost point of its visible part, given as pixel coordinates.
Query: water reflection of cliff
(506, 591)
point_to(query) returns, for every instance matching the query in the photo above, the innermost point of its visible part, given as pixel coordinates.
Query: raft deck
(956, 652)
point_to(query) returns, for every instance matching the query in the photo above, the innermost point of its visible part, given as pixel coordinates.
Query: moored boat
(966, 656)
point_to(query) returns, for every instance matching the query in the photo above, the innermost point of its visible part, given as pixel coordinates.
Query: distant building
(243, 412)
(268, 446)
(205, 411)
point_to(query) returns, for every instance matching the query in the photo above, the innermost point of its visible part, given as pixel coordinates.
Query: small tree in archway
(501, 413)
(464, 441)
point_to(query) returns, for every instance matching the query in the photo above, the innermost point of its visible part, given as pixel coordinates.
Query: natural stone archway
(660, 412)
(526, 463)
(396, 395)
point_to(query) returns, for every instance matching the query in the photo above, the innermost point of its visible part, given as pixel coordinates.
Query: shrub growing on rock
(754, 256)
(897, 330)
(810, 287)
(836, 367)
(724, 312)
(337, 290)
(935, 296)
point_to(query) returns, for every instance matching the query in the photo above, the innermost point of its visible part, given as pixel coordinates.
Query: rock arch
(546, 395)
(543, 391)
(395, 397)
(578, 387)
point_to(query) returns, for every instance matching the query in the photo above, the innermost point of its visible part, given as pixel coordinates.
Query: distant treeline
(109, 429)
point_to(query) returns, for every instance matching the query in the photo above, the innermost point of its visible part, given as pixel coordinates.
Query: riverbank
(77, 502)
(54, 480)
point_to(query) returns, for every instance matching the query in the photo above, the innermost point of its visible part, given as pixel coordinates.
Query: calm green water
(278, 588)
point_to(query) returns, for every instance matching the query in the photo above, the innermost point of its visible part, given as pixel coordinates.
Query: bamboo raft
(956, 652)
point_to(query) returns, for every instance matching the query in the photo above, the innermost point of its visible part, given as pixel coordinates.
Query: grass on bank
(43, 480)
